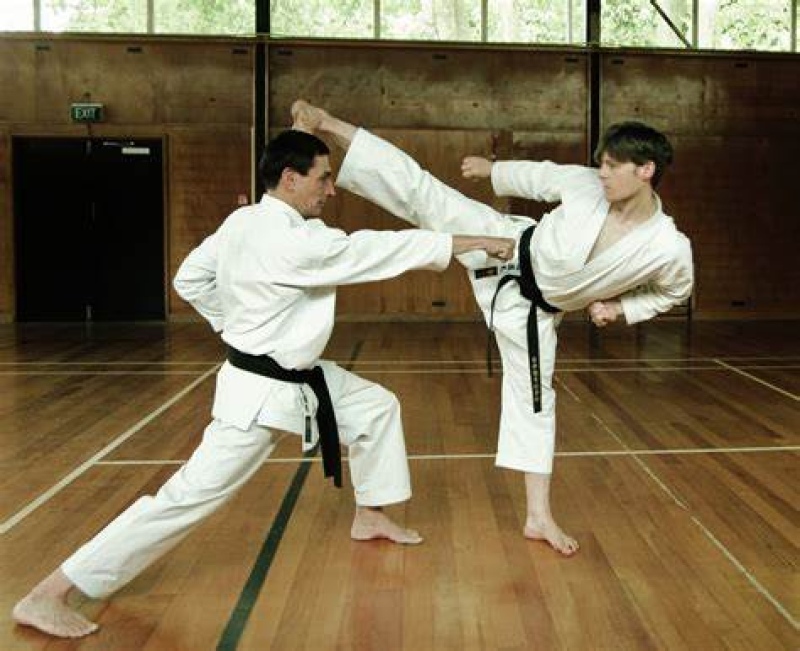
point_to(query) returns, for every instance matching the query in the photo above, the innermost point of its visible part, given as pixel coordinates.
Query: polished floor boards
(677, 470)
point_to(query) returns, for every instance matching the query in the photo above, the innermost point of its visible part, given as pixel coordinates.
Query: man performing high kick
(607, 246)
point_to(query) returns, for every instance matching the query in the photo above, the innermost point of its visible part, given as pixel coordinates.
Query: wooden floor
(677, 470)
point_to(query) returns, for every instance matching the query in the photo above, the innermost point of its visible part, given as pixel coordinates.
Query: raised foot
(306, 117)
(374, 525)
(52, 616)
(550, 532)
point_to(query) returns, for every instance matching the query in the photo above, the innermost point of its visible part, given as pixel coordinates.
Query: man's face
(311, 191)
(623, 180)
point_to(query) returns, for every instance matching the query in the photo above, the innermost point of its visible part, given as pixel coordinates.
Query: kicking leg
(380, 172)
(313, 119)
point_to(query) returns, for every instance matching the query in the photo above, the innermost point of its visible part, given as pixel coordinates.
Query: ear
(288, 178)
(646, 171)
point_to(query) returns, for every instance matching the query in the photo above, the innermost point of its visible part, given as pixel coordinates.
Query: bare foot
(306, 117)
(373, 524)
(53, 616)
(550, 532)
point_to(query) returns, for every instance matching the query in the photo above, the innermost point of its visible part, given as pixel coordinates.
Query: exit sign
(86, 112)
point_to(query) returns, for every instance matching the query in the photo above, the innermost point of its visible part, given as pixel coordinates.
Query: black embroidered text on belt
(530, 290)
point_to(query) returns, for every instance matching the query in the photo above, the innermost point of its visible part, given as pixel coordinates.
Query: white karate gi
(267, 280)
(650, 268)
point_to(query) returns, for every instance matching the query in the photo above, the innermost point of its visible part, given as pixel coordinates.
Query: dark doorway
(89, 229)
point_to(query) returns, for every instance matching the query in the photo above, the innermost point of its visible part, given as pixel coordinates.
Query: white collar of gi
(271, 203)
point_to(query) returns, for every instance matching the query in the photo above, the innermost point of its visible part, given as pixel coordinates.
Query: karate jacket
(266, 280)
(650, 268)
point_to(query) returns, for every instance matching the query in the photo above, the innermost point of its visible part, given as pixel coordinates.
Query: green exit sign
(86, 112)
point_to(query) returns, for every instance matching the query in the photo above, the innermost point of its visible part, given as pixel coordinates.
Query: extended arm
(328, 257)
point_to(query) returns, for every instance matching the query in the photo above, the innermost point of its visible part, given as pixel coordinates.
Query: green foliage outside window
(98, 16)
(204, 16)
(536, 21)
(322, 18)
(719, 24)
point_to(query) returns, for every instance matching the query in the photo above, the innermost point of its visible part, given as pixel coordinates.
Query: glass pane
(17, 15)
(637, 23)
(328, 18)
(204, 17)
(97, 16)
(431, 20)
(537, 21)
(745, 24)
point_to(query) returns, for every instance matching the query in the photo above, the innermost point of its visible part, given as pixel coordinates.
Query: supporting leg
(539, 523)
(370, 425)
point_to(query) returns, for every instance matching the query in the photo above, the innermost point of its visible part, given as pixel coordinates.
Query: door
(89, 229)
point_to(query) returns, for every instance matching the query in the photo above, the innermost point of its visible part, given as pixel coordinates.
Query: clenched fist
(476, 167)
(601, 313)
(501, 248)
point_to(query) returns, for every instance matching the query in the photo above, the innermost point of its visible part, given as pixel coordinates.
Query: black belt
(530, 290)
(313, 377)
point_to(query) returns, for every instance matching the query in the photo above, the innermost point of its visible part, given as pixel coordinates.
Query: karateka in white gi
(608, 247)
(266, 280)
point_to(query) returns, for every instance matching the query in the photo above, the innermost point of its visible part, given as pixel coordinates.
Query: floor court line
(367, 362)
(759, 380)
(20, 515)
(562, 369)
(491, 455)
(442, 371)
(125, 373)
(751, 579)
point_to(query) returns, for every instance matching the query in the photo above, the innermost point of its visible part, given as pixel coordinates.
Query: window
(98, 16)
(639, 23)
(431, 20)
(324, 18)
(536, 21)
(745, 24)
(17, 15)
(193, 17)
(708, 24)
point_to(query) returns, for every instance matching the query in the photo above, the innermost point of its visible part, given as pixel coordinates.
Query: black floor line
(229, 640)
(247, 599)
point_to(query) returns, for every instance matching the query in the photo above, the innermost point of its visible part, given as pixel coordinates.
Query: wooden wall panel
(209, 172)
(197, 95)
(6, 230)
(733, 119)
(423, 88)
(734, 124)
(139, 83)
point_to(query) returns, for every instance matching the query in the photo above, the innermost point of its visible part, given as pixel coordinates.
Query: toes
(408, 537)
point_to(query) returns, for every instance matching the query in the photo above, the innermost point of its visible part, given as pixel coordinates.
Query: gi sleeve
(327, 257)
(196, 282)
(541, 181)
(672, 285)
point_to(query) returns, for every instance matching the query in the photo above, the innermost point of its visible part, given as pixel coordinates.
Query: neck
(277, 193)
(637, 208)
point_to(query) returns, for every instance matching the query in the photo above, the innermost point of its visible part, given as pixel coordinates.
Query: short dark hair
(638, 143)
(293, 149)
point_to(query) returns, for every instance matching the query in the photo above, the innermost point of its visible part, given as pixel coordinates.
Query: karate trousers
(369, 424)
(387, 176)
